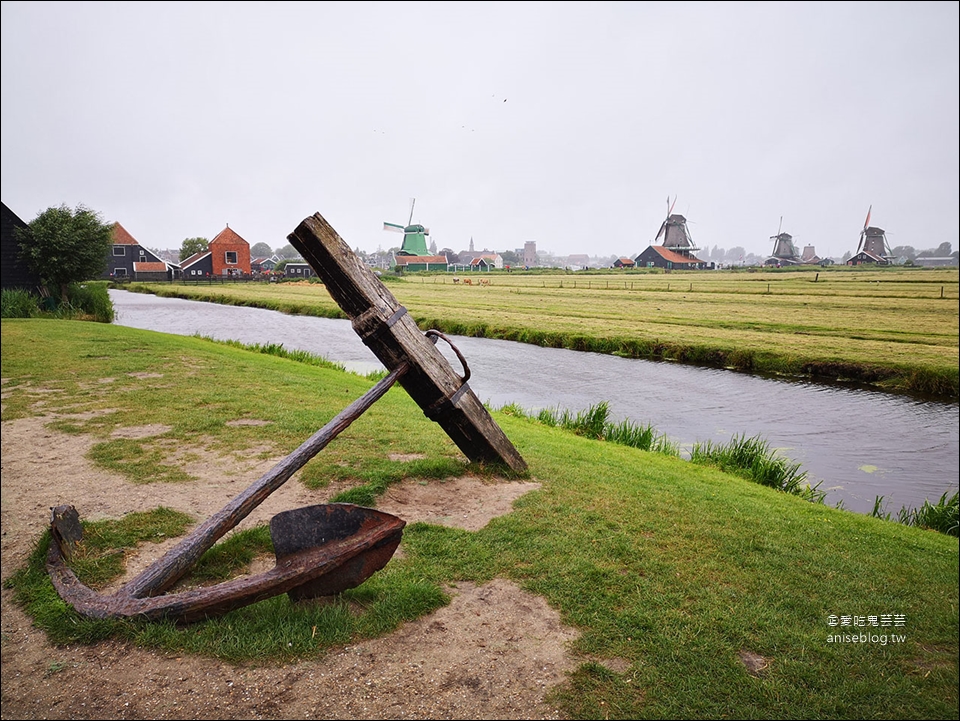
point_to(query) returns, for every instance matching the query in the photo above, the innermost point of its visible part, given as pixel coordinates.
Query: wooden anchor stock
(388, 330)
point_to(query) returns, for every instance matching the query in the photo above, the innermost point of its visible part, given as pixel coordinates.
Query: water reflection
(860, 443)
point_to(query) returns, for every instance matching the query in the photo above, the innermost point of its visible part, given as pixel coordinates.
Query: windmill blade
(412, 203)
(393, 227)
(780, 227)
(862, 234)
(670, 209)
(867, 221)
(663, 226)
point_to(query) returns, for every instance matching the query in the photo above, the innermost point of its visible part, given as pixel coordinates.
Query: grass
(834, 323)
(674, 567)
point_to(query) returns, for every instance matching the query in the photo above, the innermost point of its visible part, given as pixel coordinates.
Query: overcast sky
(568, 124)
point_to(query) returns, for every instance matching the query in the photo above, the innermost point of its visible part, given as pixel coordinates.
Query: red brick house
(229, 254)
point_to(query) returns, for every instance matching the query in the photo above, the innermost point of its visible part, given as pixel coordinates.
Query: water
(859, 443)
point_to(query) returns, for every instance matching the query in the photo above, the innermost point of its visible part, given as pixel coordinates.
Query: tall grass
(942, 516)
(277, 349)
(752, 458)
(18, 303)
(594, 422)
(85, 301)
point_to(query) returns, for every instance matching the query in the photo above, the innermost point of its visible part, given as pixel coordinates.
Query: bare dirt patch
(493, 653)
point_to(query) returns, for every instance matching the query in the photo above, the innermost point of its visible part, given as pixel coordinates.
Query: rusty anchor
(322, 549)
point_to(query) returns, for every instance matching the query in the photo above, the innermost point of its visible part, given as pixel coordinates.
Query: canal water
(858, 443)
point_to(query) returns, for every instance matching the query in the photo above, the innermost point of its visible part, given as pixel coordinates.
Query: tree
(260, 250)
(63, 246)
(904, 251)
(288, 251)
(191, 246)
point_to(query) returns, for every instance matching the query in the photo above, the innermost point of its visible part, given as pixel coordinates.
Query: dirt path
(491, 654)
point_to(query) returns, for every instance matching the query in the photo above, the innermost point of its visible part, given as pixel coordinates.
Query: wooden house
(298, 271)
(198, 266)
(15, 273)
(656, 256)
(127, 255)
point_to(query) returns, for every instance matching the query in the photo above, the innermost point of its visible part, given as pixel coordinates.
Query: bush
(91, 299)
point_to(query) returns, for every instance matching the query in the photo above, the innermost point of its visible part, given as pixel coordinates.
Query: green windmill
(414, 236)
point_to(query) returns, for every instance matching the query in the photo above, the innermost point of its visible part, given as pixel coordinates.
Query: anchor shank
(169, 569)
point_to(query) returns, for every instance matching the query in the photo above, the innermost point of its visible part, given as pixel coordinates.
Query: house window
(118, 250)
(120, 272)
(230, 257)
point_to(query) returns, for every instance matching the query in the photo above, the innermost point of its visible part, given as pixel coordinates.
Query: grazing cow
(455, 280)
(484, 281)
(467, 281)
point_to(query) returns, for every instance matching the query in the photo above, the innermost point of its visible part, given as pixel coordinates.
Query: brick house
(229, 254)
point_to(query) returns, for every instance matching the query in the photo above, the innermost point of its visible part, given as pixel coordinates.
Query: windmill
(784, 251)
(674, 230)
(873, 240)
(414, 236)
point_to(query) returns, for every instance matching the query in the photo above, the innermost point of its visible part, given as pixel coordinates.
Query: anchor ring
(434, 334)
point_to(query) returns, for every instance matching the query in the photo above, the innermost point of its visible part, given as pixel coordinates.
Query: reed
(752, 458)
(18, 303)
(942, 516)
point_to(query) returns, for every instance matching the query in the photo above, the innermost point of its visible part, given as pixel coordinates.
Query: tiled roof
(194, 258)
(407, 259)
(149, 267)
(227, 236)
(668, 254)
(122, 237)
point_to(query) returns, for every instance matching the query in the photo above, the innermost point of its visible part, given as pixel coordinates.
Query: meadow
(893, 328)
(675, 568)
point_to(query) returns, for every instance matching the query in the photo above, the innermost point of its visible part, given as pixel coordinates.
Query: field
(609, 582)
(894, 328)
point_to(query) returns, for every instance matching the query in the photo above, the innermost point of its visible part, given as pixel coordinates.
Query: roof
(139, 267)
(227, 236)
(413, 259)
(194, 258)
(673, 257)
(121, 236)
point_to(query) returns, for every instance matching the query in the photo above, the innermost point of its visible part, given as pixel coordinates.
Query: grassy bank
(673, 567)
(893, 328)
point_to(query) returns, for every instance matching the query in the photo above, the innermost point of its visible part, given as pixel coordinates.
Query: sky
(565, 123)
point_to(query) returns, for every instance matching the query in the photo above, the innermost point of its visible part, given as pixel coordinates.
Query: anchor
(324, 549)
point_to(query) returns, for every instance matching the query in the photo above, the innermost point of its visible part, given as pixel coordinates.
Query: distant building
(298, 270)
(928, 261)
(624, 263)
(578, 260)
(530, 253)
(421, 262)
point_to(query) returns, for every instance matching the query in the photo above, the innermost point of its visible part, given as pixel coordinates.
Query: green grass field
(673, 566)
(895, 328)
